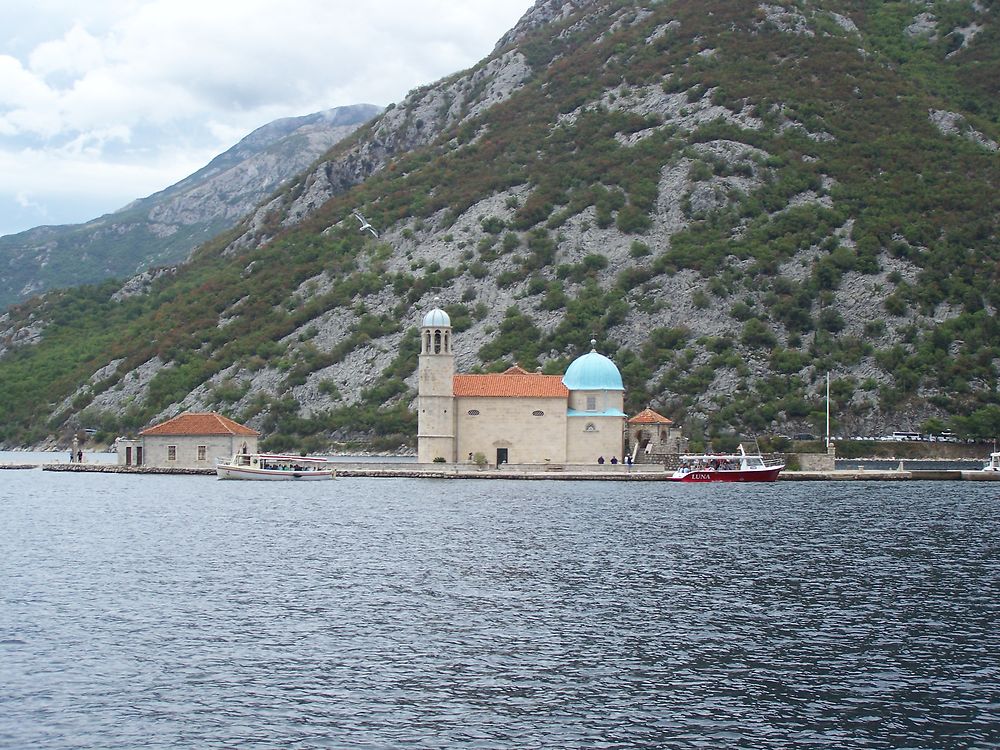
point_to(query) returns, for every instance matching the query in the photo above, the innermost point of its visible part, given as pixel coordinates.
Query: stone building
(516, 416)
(188, 441)
(652, 434)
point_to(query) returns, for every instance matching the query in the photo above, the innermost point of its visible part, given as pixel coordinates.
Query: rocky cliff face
(165, 227)
(543, 13)
(734, 200)
(416, 122)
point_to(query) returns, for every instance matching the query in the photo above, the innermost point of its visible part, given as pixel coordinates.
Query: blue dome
(436, 318)
(593, 372)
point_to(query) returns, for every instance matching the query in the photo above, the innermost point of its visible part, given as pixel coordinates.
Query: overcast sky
(105, 101)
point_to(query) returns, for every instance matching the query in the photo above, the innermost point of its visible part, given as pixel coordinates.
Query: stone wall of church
(602, 400)
(435, 404)
(435, 374)
(430, 447)
(589, 438)
(533, 430)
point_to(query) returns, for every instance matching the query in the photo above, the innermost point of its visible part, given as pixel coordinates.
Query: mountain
(164, 228)
(733, 199)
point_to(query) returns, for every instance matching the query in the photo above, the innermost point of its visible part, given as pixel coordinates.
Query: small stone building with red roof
(651, 433)
(188, 441)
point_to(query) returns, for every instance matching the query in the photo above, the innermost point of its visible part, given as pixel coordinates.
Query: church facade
(515, 416)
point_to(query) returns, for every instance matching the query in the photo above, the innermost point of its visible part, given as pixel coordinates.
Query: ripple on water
(176, 612)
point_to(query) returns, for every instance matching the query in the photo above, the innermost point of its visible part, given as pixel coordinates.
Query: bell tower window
(437, 342)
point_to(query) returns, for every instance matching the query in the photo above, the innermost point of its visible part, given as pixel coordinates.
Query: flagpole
(827, 409)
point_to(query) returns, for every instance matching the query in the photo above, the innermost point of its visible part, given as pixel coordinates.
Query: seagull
(365, 225)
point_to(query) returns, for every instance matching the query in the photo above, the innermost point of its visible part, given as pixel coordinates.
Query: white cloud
(20, 87)
(75, 53)
(114, 90)
(24, 200)
(73, 185)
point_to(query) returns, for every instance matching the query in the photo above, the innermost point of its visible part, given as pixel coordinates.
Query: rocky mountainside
(734, 199)
(164, 228)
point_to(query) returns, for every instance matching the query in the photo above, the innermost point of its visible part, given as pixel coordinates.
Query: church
(516, 417)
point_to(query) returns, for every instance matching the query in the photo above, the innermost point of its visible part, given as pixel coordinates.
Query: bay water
(185, 612)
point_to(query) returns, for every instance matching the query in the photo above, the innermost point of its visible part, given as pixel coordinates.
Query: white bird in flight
(365, 225)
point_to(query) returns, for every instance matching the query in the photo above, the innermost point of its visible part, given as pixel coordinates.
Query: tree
(982, 424)
(933, 426)
(757, 335)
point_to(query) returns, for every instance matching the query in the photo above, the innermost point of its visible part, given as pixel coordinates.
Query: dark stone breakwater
(116, 469)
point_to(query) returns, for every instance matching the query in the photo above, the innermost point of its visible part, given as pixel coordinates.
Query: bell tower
(435, 389)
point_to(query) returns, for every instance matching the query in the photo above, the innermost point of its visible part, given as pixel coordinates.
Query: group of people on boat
(286, 466)
(715, 464)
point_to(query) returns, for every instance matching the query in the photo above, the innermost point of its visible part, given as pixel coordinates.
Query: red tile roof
(511, 384)
(648, 416)
(199, 423)
(516, 370)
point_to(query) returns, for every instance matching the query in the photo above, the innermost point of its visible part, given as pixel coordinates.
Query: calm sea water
(184, 612)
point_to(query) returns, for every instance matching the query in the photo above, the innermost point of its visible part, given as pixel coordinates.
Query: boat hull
(273, 475)
(768, 474)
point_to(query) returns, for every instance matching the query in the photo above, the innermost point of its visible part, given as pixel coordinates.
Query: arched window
(447, 342)
(427, 343)
(437, 342)
(591, 427)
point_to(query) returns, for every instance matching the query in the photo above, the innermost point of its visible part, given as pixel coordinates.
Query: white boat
(994, 462)
(274, 466)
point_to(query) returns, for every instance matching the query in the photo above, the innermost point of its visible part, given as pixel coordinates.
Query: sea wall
(816, 461)
(116, 469)
(548, 472)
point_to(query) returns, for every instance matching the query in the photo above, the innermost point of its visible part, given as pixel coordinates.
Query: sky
(106, 101)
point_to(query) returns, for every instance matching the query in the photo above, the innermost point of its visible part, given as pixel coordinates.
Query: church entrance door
(501, 456)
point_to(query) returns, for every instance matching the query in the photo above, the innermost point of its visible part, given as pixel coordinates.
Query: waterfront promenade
(621, 473)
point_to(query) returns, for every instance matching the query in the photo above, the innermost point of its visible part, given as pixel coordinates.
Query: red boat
(733, 467)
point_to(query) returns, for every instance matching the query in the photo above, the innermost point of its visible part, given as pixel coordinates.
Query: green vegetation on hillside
(857, 205)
